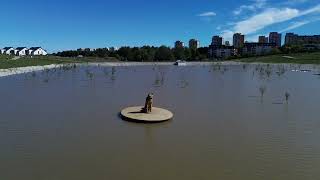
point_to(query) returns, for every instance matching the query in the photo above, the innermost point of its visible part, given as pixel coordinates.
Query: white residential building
(37, 51)
(29, 52)
(14, 52)
(8, 50)
(21, 51)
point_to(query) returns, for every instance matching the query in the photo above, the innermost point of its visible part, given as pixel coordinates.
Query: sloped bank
(23, 70)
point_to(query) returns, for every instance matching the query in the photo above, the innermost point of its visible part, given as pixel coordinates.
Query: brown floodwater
(231, 122)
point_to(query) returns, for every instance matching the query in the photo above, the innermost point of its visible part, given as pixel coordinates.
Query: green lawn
(8, 62)
(299, 58)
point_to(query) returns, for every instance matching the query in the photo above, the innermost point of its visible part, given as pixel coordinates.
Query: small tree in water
(262, 90)
(244, 67)
(287, 96)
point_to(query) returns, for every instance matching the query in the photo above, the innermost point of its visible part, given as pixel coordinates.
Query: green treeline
(164, 53)
(145, 53)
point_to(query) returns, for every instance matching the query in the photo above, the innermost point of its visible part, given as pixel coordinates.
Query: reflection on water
(231, 122)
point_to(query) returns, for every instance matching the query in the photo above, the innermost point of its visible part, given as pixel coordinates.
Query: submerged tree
(262, 90)
(287, 96)
(113, 73)
(113, 70)
(89, 74)
(244, 66)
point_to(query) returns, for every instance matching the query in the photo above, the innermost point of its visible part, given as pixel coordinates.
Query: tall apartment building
(194, 44)
(217, 41)
(275, 37)
(238, 40)
(222, 51)
(179, 44)
(263, 39)
(294, 39)
(257, 48)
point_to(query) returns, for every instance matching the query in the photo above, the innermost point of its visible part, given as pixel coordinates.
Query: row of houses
(23, 51)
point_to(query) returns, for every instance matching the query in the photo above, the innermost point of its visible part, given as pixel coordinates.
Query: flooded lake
(230, 122)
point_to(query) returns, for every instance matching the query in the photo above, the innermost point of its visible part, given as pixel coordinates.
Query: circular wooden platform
(135, 114)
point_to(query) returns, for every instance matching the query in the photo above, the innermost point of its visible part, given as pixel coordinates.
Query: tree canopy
(145, 53)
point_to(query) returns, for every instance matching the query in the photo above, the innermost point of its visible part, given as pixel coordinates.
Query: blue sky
(65, 24)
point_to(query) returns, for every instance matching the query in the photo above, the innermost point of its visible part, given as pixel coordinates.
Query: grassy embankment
(7, 62)
(299, 58)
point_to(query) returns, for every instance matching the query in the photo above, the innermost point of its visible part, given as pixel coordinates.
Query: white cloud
(298, 24)
(252, 7)
(227, 35)
(315, 9)
(266, 18)
(207, 14)
(295, 25)
(294, 2)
